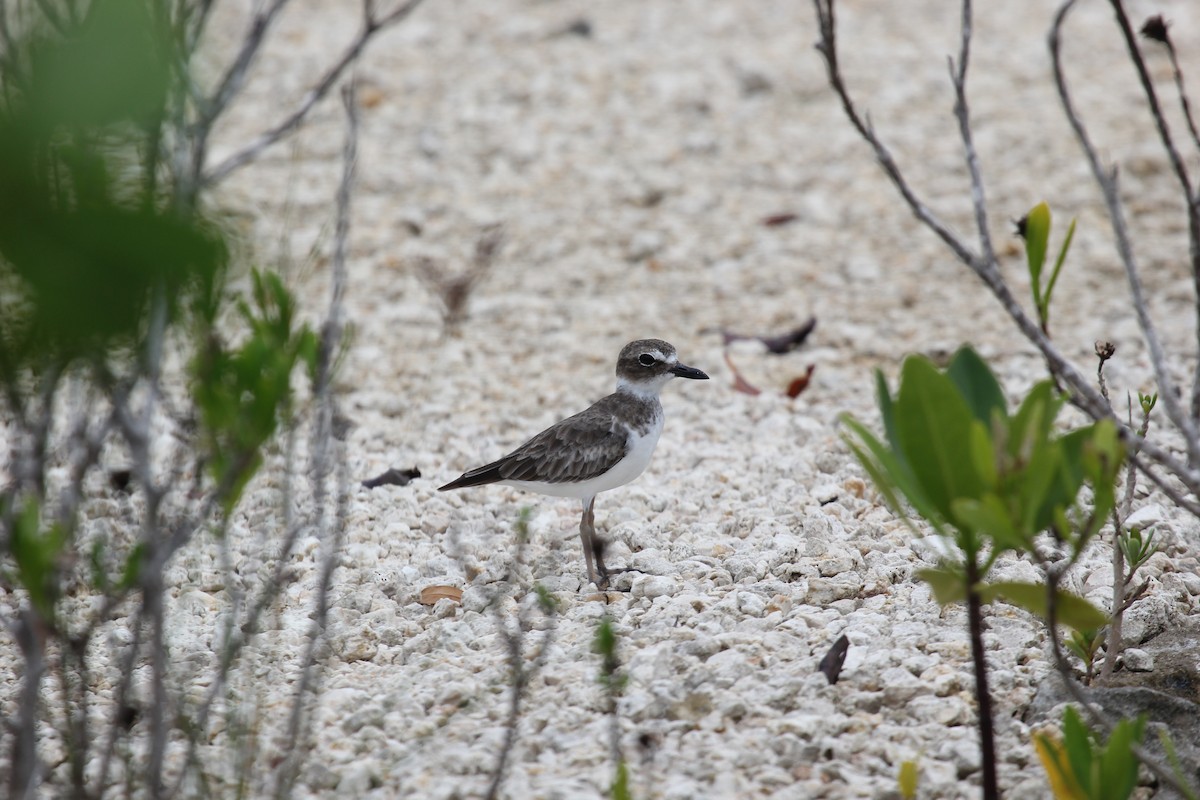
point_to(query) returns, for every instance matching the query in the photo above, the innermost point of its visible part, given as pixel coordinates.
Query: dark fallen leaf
(581, 27)
(831, 664)
(119, 479)
(775, 220)
(800, 383)
(393, 477)
(740, 384)
(783, 343)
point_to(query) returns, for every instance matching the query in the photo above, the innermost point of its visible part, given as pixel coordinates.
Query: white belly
(628, 468)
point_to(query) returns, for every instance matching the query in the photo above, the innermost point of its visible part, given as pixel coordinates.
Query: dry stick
(1184, 102)
(25, 766)
(958, 77)
(371, 27)
(1108, 187)
(1190, 195)
(120, 702)
(521, 677)
(326, 409)
(239, 636)
(1122, 601)
(987, 735)
(230, 84)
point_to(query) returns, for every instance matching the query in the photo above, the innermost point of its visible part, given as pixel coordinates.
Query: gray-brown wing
(578, 448)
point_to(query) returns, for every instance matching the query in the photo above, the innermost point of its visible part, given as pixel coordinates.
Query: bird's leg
(587, 535)
(597, 547)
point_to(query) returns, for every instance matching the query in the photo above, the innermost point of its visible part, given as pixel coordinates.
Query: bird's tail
(489, 473)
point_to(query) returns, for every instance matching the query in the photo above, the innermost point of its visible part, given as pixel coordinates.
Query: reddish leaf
(800, 382)
(740, 384)
(775, 220)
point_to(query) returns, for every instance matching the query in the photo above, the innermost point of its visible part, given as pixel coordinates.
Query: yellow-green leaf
(908, 778)
(1054, 760)
(1037, 235)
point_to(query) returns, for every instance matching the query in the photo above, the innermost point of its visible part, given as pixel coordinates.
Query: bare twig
(958, 77)
(1120, 512)
(326, 408)
(1107, 181)
(26, 767)
(372, 25)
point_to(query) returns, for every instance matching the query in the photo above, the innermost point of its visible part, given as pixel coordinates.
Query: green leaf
(977, 385)
(133, 567)
(37, 555)
(620, 788)
(1062, 257)
(889, 473)
(1077, 741)
(1072, 610)
(1037, 234)
(990, 518)
(1118, 766)
(949, 584)
(887, 408)
(933, 425)
(983, 454)
(1033, 421)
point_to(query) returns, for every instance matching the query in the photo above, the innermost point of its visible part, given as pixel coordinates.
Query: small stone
(1145, 619)
(651, 586)
(645, 244)
(1138, 660)
(751, 604)
(359, 778)
(1145, 517)
(475, 598)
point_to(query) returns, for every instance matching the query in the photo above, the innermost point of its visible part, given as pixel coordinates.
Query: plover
(600, 448)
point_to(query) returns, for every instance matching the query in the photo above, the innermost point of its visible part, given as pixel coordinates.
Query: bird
(602, 447)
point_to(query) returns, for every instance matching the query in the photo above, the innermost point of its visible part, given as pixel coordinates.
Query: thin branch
(1160, 121)
(1191, 194)
(235, 77)
(249, 153)
(326, 409)
(1184, 102)
(25, 767)
(958, 77)
(827, 46)
(1108, 187)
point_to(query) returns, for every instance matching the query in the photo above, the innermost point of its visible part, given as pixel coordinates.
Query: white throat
(648, 389)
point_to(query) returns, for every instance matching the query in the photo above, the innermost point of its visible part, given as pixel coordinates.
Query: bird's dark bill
(683, 371)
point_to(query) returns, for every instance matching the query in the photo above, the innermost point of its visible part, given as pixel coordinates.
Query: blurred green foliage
(243, 392)
(1080, 767)
(988, 479)
(87, 239)
(106, 259)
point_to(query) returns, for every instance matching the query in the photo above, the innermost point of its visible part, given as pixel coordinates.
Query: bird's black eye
(646, 360)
